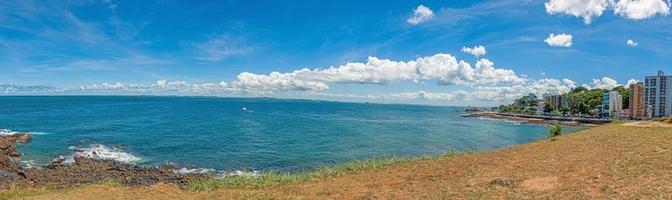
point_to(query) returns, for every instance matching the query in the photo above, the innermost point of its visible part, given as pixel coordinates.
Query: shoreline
(81, 170)
(77, 170)
(586, 165)
(543, 120)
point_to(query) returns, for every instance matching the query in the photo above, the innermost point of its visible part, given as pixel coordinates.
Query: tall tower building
(658, 95)
(637, 108)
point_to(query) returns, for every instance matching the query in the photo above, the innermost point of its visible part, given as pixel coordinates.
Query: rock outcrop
(8, 151)
(59, 173)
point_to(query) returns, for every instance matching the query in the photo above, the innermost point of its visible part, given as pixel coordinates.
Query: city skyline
(422, 52)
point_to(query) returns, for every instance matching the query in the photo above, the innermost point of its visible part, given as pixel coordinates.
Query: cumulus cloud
(631, 81)
(420, 15)
(631, 43)
(605, 83)
(443, 68)
(492, 94)
(560, 40)
(591, 9)
(161, 86)
(570, 83)
(476, 51)
(641, 9)
(19, 89)
(278, 82)
(586, 9)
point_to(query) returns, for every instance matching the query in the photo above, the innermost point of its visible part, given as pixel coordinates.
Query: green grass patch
(619, 121)
(274, 178)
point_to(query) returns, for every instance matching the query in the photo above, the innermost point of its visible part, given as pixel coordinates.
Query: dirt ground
(605, 162)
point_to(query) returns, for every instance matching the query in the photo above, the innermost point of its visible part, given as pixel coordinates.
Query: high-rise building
(637, 108)
(556, 101)
(658, 95)
(612, 104)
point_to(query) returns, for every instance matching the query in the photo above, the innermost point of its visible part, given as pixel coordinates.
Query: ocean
(245, 134)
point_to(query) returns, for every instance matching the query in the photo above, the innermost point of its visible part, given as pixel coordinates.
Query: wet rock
(59, 173)
(506, 182)
(8, 151)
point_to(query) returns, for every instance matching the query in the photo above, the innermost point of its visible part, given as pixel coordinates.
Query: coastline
(544, 120)
(81, 169)
(584, 165)
(92, 167)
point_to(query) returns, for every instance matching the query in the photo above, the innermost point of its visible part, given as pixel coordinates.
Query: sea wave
(7, 132)
(215, 173)
(102, 152)
(500, 120)
(11, 132)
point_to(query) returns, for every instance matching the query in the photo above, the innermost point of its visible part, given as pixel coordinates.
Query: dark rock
(8, 150)
(506, 182)
(59, 174)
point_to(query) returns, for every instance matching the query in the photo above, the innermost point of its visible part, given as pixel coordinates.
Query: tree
(625, 93)
(579, 89)
(585, 101)
(548, 108)
(555, 131)
(564, 109)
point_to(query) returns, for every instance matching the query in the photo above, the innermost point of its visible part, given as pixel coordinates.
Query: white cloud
(586, 9)
(631, 43)
(570, 83)
(591, 9)
(161, 86)
(641, 9)
(18, 89)
(631, 81)
(605, 83)
(490, 94)
(420, 15)
(560, 40)
(476, 51)
(277, 82)
(443, 68)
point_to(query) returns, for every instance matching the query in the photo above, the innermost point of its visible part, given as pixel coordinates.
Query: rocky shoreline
(60, 174)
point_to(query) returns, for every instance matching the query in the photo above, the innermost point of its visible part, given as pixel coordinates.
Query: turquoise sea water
(245, 134)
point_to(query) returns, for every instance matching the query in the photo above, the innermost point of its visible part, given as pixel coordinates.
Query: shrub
(555, 131)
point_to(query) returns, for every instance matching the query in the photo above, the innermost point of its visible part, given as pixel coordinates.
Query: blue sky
(202, 47)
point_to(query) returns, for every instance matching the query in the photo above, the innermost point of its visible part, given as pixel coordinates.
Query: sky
(447, 52)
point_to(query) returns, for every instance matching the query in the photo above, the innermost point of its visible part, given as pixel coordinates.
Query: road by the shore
(538, 119)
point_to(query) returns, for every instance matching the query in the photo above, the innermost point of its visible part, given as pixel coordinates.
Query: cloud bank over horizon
(481, 83)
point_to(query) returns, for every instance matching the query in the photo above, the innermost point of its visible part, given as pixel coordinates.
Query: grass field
(606, 162)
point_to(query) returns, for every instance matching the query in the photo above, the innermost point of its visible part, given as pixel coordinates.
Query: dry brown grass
(606, 162)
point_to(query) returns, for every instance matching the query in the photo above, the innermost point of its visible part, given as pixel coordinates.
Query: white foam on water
(28, 164)
(225, 174)
(194, 171)
(501, 120)
(10, 132)
(102, 152)
(216, 174)
(7, 132)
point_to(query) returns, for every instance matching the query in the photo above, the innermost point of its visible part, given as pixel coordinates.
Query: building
(612, 104)
(556, 101)
(637, 109)
(658, 95)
